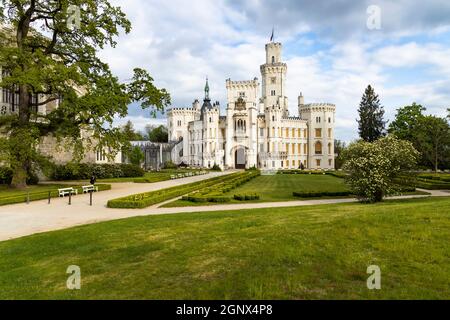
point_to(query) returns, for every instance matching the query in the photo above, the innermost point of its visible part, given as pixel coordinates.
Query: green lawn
(278, 188)
(319, 252)
(37, 192)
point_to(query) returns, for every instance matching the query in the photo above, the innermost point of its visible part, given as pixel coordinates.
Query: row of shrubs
(246, 197)
(84, 171)
(216, 193)
(338, 174)
(143, 200)
(314, 194)
(41, 195)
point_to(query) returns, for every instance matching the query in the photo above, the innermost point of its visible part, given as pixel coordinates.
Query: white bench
(89, 188)
(173, 177)
(67, 191)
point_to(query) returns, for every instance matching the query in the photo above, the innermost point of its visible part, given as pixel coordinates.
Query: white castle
(256, 131)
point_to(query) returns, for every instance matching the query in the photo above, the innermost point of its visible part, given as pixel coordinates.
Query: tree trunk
(436, 159)
(19, 179)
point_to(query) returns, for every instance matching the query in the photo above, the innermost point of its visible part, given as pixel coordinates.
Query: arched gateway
(239, 158)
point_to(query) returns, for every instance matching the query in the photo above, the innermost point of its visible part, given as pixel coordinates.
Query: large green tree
(339, 147)
(429, 134)
(157, 133)
(373, 167)
(405, 124)
(371, 124)
(433, 140)
(130, 133)
(49, 49)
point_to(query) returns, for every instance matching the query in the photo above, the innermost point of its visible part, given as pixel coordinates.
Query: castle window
(330, 162)
(318, 133)
(273, 93)
(273, 59)
(305, 148)
(241, 94)
(261, 132)
(318, 147)
(318, 162)
(273, 80)
(329, 120)
(273, 118)
(293, 148)
(329, 133)
(318, 120)
(210, 119)
(329, 148)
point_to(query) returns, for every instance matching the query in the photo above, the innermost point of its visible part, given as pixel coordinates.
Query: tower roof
(207, 101)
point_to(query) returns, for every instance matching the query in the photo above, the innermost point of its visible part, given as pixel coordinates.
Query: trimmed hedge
(216, 193)
(84, 171)
(143, 200)
(246, 197)
(34, 196)
(322, 194)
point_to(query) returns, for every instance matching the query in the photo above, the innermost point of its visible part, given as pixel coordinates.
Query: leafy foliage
(84, 171)
(136, 156)
(157, 133)
(370, 123)
(374, 166)
(47, 57)
(429, 134)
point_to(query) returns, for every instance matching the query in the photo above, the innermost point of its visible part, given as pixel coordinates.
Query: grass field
(278, 188)
(36, 192)
(319, 252)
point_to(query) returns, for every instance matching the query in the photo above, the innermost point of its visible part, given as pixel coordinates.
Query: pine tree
(371, 124)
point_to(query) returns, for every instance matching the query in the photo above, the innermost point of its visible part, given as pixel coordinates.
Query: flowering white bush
(373, 166)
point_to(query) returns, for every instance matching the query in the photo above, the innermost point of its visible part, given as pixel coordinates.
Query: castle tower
(321, 121)
(273, 74)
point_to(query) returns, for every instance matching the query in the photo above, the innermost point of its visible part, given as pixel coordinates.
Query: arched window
(318, 147)
(273, 59)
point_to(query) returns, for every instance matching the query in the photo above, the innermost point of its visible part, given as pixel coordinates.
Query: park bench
(180, 175)
(172, 177)
(67, 191)
(89, 188)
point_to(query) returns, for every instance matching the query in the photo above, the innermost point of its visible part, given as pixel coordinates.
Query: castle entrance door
(239, 159)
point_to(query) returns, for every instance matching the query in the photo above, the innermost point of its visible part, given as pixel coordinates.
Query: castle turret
(273, 74)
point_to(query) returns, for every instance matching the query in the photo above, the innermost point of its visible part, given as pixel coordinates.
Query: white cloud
(181, 43)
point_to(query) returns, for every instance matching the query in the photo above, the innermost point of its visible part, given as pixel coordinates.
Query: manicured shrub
(147, 199)
(246, 197)
(84, 171)
(314, 194)
(170, 165)
(5, 175)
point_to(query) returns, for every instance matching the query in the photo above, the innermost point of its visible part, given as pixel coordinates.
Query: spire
(272, 37)
(207, 90)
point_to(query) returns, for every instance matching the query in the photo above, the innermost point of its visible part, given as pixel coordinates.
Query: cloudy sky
(331, 53)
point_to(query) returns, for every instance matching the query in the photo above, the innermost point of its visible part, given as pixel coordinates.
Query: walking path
(21, 219)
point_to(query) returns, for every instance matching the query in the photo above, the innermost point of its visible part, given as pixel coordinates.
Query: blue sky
(331, 54)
